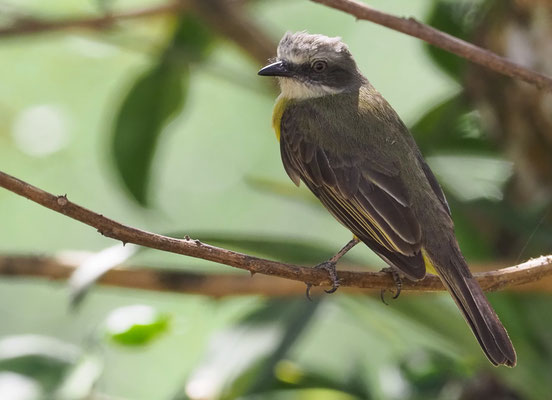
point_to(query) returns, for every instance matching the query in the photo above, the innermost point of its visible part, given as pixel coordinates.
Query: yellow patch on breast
(279, 109)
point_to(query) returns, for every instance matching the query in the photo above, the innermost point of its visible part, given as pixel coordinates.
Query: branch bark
(220, 285)
(230, 20)
(530, 271)
(27, 26)
(227, 18)
(412, 27)
(232, 24)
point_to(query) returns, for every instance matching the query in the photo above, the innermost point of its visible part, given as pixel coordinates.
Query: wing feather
(371, 202)
(326, 171)
(391, 184)
(435, 185)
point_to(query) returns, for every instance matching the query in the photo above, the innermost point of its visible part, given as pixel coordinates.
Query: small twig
(24, 26)
(530, 271)
(412, 27)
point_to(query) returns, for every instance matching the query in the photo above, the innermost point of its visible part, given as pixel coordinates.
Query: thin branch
(25, 26)
(220, 285)
(227, 18)
(154, 279)
(412, 27)
(230, 20)
(231, 23)
(530, 271)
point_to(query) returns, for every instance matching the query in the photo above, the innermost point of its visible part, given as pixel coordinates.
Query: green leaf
(156, 97)
(136, 325)
(457, 18)
(152, 102)
(193, 39)
(43, 358)
(452, 125)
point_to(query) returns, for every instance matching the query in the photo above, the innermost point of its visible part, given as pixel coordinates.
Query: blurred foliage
(338, 347)
(86, 274)
(154, 99)
(35, 367)
(458, 18)
(452, 125)
(135, 325)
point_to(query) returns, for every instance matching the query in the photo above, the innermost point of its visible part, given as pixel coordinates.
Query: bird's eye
(319, 65)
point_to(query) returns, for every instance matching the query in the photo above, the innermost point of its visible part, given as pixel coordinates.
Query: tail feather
(483, 321)
(477, 311)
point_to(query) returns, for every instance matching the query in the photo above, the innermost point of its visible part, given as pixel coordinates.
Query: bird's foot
(398, 284)
(330, 267)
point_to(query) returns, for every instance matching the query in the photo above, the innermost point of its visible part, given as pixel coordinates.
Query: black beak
(275, 69)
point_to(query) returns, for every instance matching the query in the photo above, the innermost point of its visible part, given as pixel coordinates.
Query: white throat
(295, 89)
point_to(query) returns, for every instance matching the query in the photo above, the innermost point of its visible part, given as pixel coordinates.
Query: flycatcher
(350, 148)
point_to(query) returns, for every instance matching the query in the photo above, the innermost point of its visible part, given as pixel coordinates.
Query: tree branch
(28, 25)
(230, 20)
(231, 23)
(220, 285)
(412, 27)
(530, 271)
(227, 18)
(154, 279)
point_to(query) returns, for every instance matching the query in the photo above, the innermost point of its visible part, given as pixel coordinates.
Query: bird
(349, 147)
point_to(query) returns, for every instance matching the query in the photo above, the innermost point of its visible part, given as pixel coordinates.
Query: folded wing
(372, 204)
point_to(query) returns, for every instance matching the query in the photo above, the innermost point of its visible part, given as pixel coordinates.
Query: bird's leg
(398, 284)
(331, 264)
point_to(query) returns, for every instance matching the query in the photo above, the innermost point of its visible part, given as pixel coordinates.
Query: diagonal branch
(230, 22)
(412, 27)
(530, 271)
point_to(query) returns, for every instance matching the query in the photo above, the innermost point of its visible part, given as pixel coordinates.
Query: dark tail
(477, 311)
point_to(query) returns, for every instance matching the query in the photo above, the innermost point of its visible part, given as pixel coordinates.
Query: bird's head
(313, 66)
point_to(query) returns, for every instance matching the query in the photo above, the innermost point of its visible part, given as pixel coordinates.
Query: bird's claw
(307, 293)
(398, 284)
(330, 267)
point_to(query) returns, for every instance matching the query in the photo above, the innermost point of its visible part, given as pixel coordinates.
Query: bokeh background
(161, 123)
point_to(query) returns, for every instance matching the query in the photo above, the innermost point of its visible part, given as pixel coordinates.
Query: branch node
(62, 200)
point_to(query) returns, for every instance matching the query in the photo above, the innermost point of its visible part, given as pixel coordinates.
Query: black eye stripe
(333, 75)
